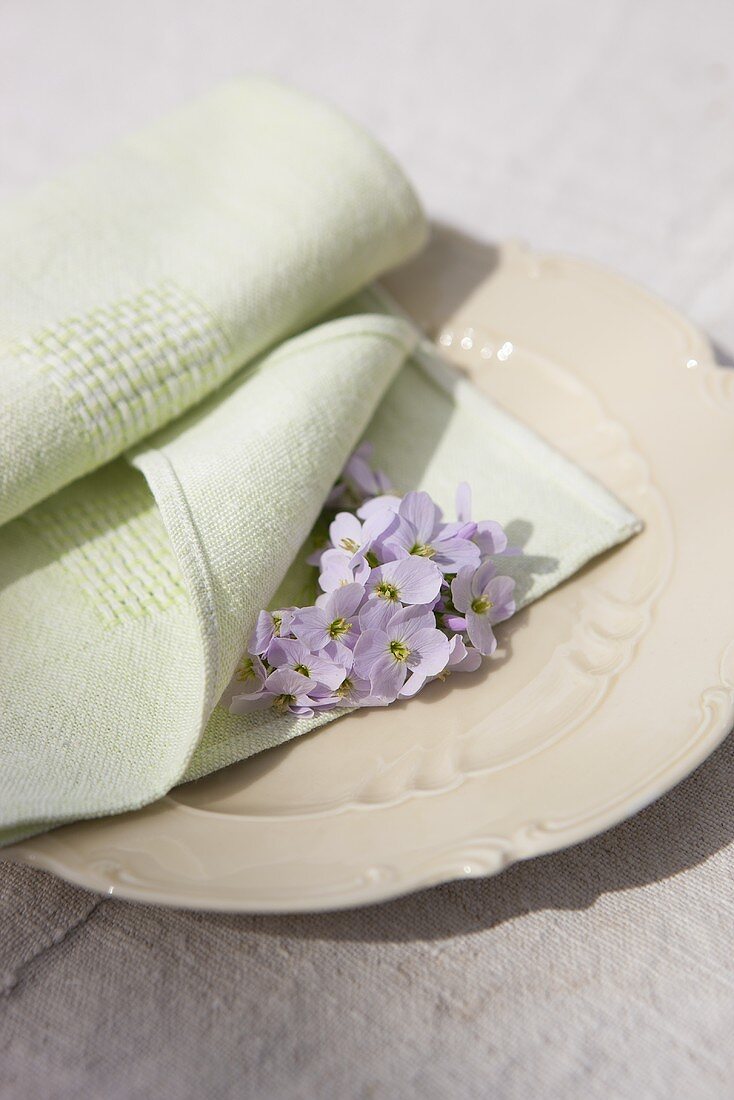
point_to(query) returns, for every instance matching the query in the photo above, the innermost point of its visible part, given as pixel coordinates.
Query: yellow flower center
(387, 591)
(282, 702)
(399, 650)
(481, 604)
(349, 545)
(246, 671)
(421, 550)
(345, 688)
(302, 669)
(338, 627)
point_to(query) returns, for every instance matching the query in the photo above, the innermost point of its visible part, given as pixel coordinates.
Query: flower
(485, 599)
(410, 580)
(269, 625)
(369, 482)
(420, 532)
(337, 570)
(410, 642)
(405, 598)
(356, 691)
(462, 658)
(359, 480)
(251, 672)
(345, 532)
(362, 541)
(291, 653)
(488, 535)
(331, 621)
(377, 504)
(288, 692)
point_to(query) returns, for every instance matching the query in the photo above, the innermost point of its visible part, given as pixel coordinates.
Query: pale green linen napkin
(135, 285)
(126, 598)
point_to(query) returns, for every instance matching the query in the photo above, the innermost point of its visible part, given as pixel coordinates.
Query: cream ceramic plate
(604, 694)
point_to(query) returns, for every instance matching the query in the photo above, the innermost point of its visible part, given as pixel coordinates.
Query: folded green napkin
(126, 597)
(137, 284)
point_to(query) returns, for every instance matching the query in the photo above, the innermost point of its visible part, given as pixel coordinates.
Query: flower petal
(355, 692)
(429, 651)
(461, 588)
(387, 676)
(453, 553)
(457, 623)
(360, 472)
(378, 524)
(324, 671)
(345, 529)
(246, 704)
(386, 500)
(285, 681)
(423, 513)
(407, 620)
(479, 629)
(417, 580)
(412, 685)
(287, 651)
(310, 627)
(262, 635)
(336, 570)
(301, 710)
(501, 592)
(344, 601)
(376, 614)
(482, 577)
(490, 538)
(370, 647)
(463, 658)
(463, 502)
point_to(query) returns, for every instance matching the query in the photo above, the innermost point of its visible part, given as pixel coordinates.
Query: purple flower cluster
(404, 598)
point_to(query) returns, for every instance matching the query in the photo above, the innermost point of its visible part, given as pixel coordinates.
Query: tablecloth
(603, 130)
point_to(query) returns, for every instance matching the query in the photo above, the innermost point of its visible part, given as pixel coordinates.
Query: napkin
(136, 285)
(127, 596)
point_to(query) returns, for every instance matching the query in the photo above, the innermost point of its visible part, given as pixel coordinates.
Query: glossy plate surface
(604, 693)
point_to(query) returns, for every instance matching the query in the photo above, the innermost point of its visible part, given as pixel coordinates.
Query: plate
(603, 695)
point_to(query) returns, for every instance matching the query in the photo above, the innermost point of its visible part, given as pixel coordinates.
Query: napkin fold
(132, 287)
(126, 597)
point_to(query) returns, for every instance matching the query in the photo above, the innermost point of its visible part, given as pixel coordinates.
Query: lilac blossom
(331, 621)
(405, 598)
(369, 482)
(362, 541)
(420, 532)
(462, 658)
(410, 581)
(359, 480)
(290, 653)
(337, 570)
(409, 643)
(488, 535)
(356, 691)
(484, 599)
(288, 692)
(377, 504)
(269, 625)
(247, 678)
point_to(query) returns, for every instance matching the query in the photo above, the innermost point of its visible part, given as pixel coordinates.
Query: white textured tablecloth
(605, 130)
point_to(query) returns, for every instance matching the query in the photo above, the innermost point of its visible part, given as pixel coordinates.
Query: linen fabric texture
(139, 283)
